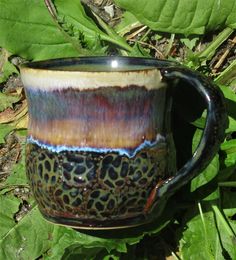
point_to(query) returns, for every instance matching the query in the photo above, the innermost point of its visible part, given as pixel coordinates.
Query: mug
(99, 151)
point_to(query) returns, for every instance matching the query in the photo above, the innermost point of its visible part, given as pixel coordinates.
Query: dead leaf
(12, 116)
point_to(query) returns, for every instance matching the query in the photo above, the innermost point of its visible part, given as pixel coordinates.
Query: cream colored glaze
(49, 80)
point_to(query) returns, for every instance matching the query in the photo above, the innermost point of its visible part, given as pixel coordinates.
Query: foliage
(212, 232)
(183, 16)
(37, 35)
(207, 227)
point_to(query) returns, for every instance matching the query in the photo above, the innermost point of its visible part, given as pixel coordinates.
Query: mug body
(99, 141)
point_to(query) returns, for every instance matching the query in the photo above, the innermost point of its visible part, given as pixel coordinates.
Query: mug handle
(213, 134)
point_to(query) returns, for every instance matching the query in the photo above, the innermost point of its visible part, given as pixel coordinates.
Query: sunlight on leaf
(183, 16)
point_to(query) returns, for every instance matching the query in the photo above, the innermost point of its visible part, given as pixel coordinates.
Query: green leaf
(6, 67)
(208, 236)
(79, 26)
(229, 150)
(229, 146)
(190, 42)
(228, 93)
(9, 206)
(18, 174)
(200, 123)
(200, 233)
(207, 175)
(80, 252)
(210, 172)
(232, 125)
(27, 239)
(182, 16)
(7, 101)
(74, 20)
(228, 75)
(211, 48)
(4, 130)
(7, 70)
(65, 239)
(30, 32)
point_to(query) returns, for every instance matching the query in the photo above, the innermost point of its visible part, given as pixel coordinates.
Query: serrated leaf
(183, 16)
(74, 19)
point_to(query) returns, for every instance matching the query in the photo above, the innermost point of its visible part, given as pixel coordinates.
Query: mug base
(97, 225)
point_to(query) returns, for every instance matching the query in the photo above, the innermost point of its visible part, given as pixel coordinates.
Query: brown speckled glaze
(100, 152)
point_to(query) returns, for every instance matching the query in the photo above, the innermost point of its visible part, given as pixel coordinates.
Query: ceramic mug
(99, 151)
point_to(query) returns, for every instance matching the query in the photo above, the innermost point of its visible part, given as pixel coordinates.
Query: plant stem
(205, 232)
(209, 52)
(230, 184)
(170, 44)
(227, 75)
(112, 36)
(118, 42)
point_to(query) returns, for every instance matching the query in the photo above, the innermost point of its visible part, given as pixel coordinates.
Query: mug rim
(45, 74)
(111, 63)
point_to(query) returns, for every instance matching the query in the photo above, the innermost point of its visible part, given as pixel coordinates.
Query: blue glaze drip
(127, 152)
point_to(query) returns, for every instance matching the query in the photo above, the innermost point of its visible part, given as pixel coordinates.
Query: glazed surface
(82, 187)
(49, 80)
(96, 152)
(112, 118)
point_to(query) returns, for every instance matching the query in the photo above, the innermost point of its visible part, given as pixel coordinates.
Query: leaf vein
(27, 23)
